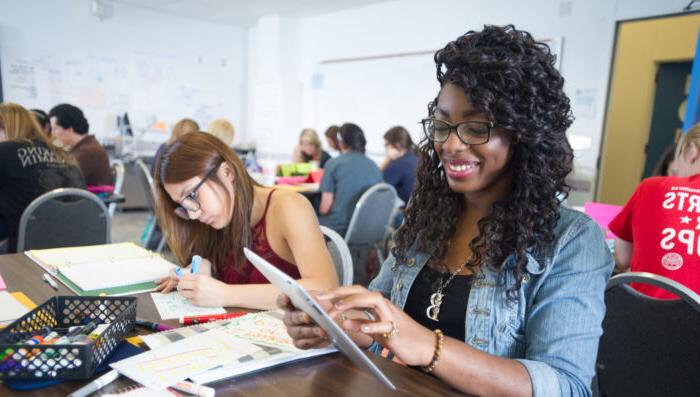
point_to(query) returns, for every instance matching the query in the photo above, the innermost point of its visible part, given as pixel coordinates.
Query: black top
(453, 311)
(324, 158)
(321, 161)
(28, 170)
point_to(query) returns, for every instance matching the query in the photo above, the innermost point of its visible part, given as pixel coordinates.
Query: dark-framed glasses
(190, 203)
(469, 132)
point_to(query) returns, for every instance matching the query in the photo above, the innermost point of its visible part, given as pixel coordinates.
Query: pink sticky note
(603, 214)
(2, 284)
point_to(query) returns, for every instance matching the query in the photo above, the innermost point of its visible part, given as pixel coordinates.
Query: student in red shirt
(658, 230)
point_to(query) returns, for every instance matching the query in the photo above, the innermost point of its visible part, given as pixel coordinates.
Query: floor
(128, 226)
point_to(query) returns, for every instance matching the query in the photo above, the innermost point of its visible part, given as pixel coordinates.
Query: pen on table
(194, 268)
(47, 279)
(195, 389)
(189, 320)
(152, 326)
(96, 384)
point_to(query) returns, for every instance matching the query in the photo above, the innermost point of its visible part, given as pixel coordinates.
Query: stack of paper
(162, 367)
(265, 330)
(10, 308)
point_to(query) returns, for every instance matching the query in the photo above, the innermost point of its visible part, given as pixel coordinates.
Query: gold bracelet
(438, 350)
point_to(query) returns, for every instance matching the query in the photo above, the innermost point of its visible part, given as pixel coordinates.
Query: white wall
(586, 27)
(198, 52)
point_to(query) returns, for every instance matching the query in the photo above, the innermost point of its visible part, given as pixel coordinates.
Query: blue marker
(196, 261)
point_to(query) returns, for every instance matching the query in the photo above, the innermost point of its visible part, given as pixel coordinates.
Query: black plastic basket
(21, 360)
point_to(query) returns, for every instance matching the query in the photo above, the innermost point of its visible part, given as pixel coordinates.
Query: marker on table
(47, 279)
(194, 269)
(189, 320)
(152, 326)
(195, 389)
(96, 384)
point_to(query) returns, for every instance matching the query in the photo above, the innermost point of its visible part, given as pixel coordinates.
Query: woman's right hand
(167, 284)
(300, 327)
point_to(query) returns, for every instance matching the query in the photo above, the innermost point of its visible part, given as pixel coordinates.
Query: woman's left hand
(412, 343)
(202, 290)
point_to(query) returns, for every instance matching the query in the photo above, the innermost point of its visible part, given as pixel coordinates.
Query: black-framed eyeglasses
(190, 203)
(469, 132)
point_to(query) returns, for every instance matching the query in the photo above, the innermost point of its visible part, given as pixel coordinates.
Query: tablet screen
(303, 301)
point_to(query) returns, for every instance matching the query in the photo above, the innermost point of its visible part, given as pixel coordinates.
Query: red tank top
(249, 274)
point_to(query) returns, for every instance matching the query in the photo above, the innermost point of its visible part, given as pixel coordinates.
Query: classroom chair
(152, 230)
(649, 347)
(64, 217)
(340, 253)
(117, 167)
(370, 224)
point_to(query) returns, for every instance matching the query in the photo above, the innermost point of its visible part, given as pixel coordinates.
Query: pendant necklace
(433, 309)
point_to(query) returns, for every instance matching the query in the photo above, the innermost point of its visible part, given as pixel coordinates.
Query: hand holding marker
(194, 269)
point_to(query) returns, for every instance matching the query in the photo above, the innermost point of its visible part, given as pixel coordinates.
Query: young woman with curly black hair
(493, 286)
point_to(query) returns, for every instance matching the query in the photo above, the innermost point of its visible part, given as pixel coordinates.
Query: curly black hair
(511, 77)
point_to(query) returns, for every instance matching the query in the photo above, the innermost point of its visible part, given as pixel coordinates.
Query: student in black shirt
(30, 165)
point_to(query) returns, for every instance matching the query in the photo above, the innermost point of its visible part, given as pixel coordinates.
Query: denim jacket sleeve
(565, 313)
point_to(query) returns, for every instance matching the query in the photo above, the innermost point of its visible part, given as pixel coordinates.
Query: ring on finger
(393, 332)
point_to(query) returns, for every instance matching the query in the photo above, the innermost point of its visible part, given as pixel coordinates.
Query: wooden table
(332, 375)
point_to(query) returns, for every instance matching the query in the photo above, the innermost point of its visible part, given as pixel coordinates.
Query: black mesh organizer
(21, 360)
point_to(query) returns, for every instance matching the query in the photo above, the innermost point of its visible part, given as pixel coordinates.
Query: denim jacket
(554, 325)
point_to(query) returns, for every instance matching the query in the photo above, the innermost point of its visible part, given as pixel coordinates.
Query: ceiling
(242, 12)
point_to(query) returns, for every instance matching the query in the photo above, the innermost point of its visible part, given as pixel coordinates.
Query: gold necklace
(433, 309)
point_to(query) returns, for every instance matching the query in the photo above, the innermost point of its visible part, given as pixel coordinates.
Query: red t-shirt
(662, 220)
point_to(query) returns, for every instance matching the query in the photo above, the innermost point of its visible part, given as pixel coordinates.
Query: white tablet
(303, 301)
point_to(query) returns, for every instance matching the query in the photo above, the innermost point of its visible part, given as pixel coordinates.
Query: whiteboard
(150, 87)
(376, 94)
(380, 92)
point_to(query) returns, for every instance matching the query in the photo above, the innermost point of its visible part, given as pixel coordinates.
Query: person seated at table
(70, 127)
(493, 286)
(210, 206)
(30, 165)
(182, 127)
(399, 167)
(309, 149)
(345, 178)
(331, 135)
(222, 129)
(43, 119)
(657, 230)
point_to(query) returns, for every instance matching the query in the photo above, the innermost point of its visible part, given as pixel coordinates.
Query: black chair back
(649, 347)
(65, 217)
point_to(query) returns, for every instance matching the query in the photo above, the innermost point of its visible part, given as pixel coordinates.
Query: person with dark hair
(345, 178)
(210, 206)
(493, 286)
(69, 126)
(331, 135)
(30, 165)
(399, 167)
(43, 119)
